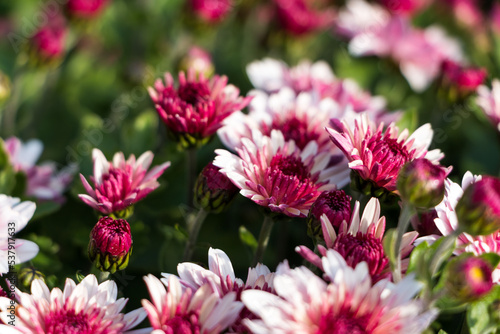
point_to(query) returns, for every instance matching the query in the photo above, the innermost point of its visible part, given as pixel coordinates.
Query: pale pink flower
(14, 215)
(120, 183)
(348, 304)
(360, 240)
(194, 110)
(447, 222)
(489, 101)
(376, 154)
(467, 12)
(44, 182)
(175, 309)
(84, 308)
(298, 17)
(276, 174)
(220, 276)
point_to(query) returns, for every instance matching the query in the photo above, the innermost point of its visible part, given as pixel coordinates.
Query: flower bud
(211, 11)
(478, 211)
(213, 190)
(468, 278)
(110, 244)
(48, 43)
(85, 9)
(28, 275)
(335, 204)
(199, 60)
(465, 79)
(421, 183)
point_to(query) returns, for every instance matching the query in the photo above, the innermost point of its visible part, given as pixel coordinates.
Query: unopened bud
(335, 204)
(28, 275)
(213, 190)
(468, 278)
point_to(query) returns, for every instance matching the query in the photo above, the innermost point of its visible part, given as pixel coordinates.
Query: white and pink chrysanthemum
(275, 174)
(43, 182)
(84, 308)
(348, 304)
(120, 183)
(194, 110)
(376, 154)
(360, 240)
(175, 309)
(14, 215)
(489, 101)
(220, 275)
(447, 222)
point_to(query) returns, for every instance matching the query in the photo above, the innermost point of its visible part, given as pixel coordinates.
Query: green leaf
(409, 120)
(417, 256)
(247, 238)
(492, 258)
(440, 251)
(482, 316)
(389, 243)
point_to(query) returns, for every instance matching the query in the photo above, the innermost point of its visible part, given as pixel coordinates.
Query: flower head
(85, 9)
(110, 244)
(478, 210)
(14, 215)
(348, 304)
(359, 240)
(465, 78)
(84, 308)
(44, 181)
(377, 155)
(276, 174)
(404, 7)
(48, 42)
(120, 183)
(211, 10)
(213, 190)
(298, 17)
(175, 309)
(489, 101)
(194, 110)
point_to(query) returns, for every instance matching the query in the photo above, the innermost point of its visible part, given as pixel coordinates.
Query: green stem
(191, 167)
(193, 230)
(265, 233)
(403, 223)
(437, 260)
(10, 111)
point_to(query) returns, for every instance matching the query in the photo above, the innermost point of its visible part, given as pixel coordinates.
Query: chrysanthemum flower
(211, 10)
(377, 155)
(276, 174)
(220, 276)
(120, 183)
(359, 241)
(298, 17)
(489, 101)
(447, 222)
(44, 182)
(14, 215)
(182, 310)
(348, 304)
(48, 42)
(194, 110)
(85, 9)
(84, 308)
(465, 78)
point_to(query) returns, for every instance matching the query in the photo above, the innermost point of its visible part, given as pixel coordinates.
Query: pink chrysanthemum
(44, 182)
(48, 42)
(276, 174)
(447, 222)
(211, 10)
(84, 308)
(120, 183)
(178, 310)
(194, 110)
(14, 215)
(489, 101)
(86, 9)
(220, 275)
(376, 154)
(348, 304)
(359, 241)
(465, 78)
(298, 17)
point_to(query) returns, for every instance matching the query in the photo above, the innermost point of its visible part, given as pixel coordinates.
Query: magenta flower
(404, 7)
(465, 78)
(469, 278)
(110, 244)
(195, 110)
(335, 204)
(359, 240)
(211, 10)
(349, 303)
(377, 155)
(44, 181)
(298, 17)
(86, 9)
(120, 183)
(48, 42)
(276, 174)
(489, 102)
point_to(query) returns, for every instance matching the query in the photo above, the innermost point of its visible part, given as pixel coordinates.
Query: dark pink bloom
(424, 223)
(212, 10)
(213, 190)
(194, 110)
(49, 41)
(86, 9)
(298, 17)
(404, 7)
(469, 278)
(359, 240)
(120, 183)
(465, 78)
(110, 244)
(335, 204)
